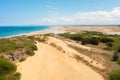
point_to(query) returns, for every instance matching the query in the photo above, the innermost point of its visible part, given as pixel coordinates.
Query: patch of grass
(32, 46)
(40, 40)
(31, 37)
(6, 69)
(115, 75)
(15, 76)
(92, 33)
(66, 35)
(22, 59)
(116, 43)
(118, 61)
(48, 34)
(112, 41)
(7, 45)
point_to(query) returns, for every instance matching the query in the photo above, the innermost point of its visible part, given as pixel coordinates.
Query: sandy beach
(104, 29)
(48, 63)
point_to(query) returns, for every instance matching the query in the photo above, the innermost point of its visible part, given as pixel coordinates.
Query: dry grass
(104, 59)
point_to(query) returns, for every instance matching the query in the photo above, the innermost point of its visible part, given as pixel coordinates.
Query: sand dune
(50, 64)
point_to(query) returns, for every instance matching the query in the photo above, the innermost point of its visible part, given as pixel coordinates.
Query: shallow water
(6, 31)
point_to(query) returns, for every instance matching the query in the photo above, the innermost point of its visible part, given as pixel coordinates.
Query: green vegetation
(76, 37)
(7, 45)
(109, 42)
(115, 43)
(92, 37)
(22, 59)
(40, 40)
(15, 76)
(115, 56)
(105, 39)
(84, 41)
(32, 46)
(8, 69)
(48, 34)
(118, 49)
(11, 46)
(118, 61)
(115, 75)
(31, 37)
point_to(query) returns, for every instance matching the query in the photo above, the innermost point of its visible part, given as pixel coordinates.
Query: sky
(59, 12)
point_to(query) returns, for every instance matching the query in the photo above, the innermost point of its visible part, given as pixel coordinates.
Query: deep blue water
(6, 31)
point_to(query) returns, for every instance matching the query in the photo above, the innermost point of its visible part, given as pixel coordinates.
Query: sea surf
(6, 31)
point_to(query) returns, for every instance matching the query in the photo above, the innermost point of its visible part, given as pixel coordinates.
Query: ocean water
(6, 31)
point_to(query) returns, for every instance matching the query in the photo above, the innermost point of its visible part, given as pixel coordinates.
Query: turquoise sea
(6, 31)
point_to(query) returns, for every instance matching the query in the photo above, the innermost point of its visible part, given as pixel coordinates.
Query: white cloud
(95, 17)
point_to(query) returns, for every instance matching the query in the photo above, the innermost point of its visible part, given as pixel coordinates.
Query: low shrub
(76, 37)
(105, 40)
(48, 34)
(109, 44)
(29, 52)
(85, 41)
(22, 59)
(32, 46)
(6, 67)
(40, 40)
(31, 37)
(118, 61)
(115, 56)
(115, 75)
(118, 49)
(7, 45)
(94, 41)
(15, 76)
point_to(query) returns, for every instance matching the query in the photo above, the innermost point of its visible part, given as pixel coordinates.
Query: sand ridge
(49, 63)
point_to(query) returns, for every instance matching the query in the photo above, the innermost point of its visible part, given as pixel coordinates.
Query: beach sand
(104, 29)
(48, 63)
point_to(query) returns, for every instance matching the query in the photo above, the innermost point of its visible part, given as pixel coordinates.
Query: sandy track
(50, 64)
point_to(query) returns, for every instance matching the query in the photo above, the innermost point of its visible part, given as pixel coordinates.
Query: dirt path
(51, 64)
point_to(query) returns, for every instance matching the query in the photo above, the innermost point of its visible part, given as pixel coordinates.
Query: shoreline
(111, 30)
(54, 30)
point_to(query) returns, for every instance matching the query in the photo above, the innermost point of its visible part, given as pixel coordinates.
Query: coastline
(54, 30)
(111, 30)
(47, 56)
